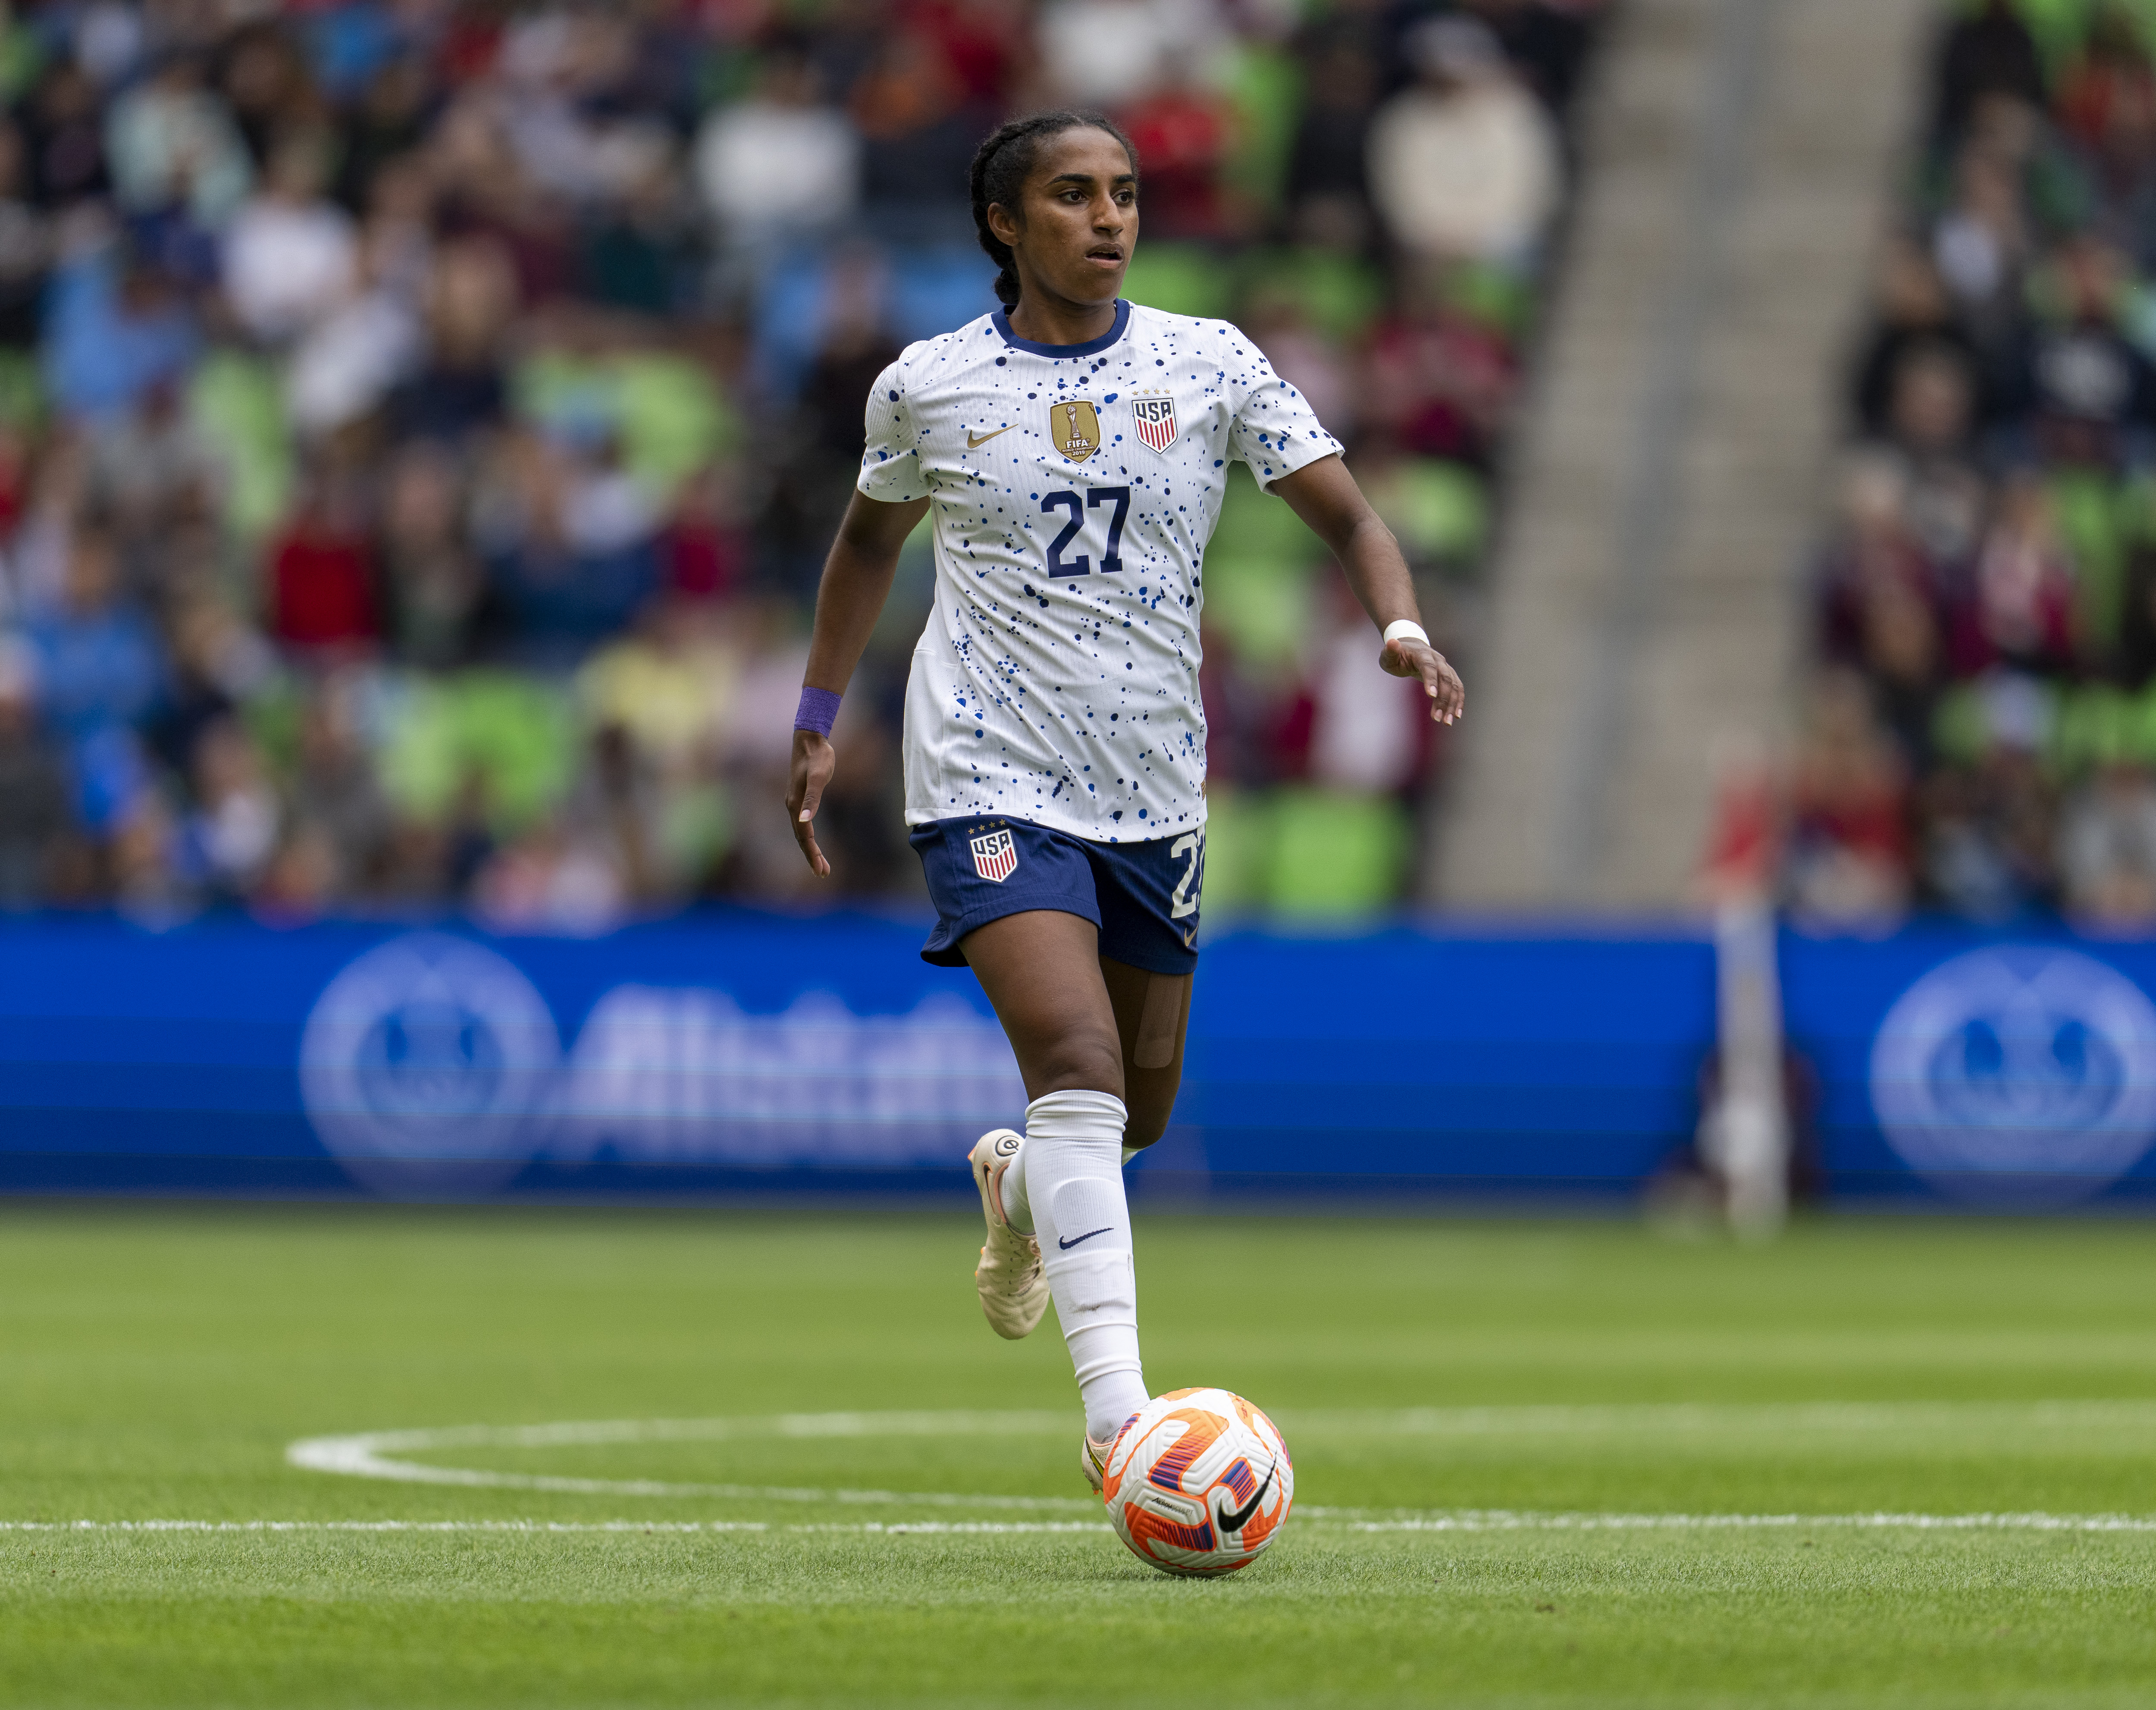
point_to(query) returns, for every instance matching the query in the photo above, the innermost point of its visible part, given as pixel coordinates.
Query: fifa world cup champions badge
(1155, 413)
(1074, 428)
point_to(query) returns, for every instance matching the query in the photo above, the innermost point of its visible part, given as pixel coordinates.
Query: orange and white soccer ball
(1198, 1482)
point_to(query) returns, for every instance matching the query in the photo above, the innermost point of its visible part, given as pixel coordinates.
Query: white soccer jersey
(1074, 490)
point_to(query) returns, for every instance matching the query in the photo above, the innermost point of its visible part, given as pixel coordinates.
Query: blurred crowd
(422, 421)
(1981, 735)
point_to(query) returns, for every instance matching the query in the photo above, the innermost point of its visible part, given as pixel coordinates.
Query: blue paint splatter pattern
(1057, 679)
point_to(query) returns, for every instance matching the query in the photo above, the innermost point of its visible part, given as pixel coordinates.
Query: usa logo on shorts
(995, 856)
(1156, 420)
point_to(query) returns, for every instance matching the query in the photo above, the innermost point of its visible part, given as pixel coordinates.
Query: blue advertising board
(1996, 1071)
(737, 1053)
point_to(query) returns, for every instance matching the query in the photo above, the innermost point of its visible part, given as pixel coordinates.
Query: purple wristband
(820, 707)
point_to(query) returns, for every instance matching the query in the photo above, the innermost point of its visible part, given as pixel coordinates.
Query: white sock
(1074, 1189)
(1017, 1207)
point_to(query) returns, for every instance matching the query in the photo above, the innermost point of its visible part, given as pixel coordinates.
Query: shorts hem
(947, 954)
(1181, 960)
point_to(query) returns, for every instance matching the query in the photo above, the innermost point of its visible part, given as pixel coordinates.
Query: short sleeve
(891, 464)
(1275, 430)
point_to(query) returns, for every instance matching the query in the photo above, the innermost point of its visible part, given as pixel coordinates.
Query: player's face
(1081, 218)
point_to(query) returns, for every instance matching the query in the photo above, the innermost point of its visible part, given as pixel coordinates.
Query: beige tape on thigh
(1160, 1023)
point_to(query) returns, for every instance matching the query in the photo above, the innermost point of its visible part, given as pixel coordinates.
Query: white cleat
(1013, 1287)
(1093, 1460)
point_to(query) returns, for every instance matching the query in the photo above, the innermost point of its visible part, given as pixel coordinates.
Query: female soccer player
(1073, 448)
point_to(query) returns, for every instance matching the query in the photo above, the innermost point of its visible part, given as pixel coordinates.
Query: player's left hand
(1406, 657)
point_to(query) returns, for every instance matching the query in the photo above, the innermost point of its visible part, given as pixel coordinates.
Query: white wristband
(1404, 628)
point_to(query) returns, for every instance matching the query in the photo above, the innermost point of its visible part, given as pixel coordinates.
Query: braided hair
(1000, 165)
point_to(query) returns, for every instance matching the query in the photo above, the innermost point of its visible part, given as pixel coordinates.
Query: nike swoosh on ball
(1235, 1519)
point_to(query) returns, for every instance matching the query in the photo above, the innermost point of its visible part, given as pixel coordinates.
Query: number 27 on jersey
(1082, 565)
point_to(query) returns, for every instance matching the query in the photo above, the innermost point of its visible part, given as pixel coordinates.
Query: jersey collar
(1001, 319)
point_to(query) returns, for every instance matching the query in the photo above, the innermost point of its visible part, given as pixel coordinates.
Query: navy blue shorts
(1143, 896)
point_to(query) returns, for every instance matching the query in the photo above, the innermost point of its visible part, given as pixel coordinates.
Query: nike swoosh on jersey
(1075, 1239)
(974, 444)
(1235, 1519)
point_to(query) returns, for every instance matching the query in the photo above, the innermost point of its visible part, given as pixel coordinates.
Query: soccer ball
(1198, 1482)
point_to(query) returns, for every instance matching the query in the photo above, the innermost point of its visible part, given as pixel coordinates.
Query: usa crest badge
(1074, 428)
(995, 855)
(1156, 420)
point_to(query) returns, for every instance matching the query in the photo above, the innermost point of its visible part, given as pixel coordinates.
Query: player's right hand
(815, 760)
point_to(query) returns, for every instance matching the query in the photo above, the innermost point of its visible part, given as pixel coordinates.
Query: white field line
(377, 1454)
(1465, 1521)
(367, 1456)
(1503, 1521)
(657, 1526)
(1727, 1419)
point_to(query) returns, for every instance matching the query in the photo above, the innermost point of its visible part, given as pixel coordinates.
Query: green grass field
(1537, 1465)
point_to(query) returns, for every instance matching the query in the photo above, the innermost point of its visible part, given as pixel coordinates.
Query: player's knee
(1081, 1062)
(1149, 1117)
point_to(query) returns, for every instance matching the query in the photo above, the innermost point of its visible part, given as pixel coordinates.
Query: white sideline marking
(1501, 1521)
(668, 1527)
(1332, 1519)
(382, 1526)
(1720, 1418)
